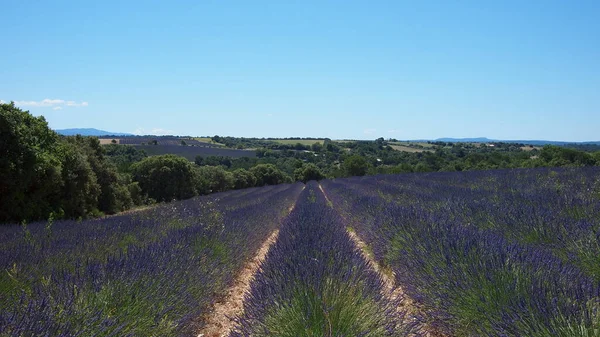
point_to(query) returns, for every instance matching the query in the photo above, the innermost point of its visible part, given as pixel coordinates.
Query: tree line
(44, 175)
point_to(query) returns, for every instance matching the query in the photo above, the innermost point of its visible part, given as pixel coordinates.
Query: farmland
(187, 147)
(484, 253)
(159, 140)
(190, 152)
(307, 142)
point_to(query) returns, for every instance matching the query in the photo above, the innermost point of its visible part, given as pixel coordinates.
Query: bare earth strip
(392, 291)
(220, 321)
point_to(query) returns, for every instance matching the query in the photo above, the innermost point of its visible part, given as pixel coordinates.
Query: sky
(336, 69)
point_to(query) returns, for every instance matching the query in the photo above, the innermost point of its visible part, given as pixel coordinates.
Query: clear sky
(338, 69)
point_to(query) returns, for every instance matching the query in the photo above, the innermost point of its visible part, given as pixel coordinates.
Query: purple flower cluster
(494, 253)
(315, 282)
(152, 272)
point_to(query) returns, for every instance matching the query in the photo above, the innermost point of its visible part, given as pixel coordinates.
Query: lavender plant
(487, 253)
(152, 273)
(314, 282)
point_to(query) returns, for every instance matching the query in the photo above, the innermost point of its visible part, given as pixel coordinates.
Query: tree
(80, 192)
(561, 156)
(268, 174)
(596, 156)
(123, 156)
(308, 172)
(243, 179)
(215, 178)
(356, 165)
(165, 177)
(30, 171)
(113, 196)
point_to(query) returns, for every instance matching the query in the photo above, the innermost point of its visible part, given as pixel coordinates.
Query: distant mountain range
(90, 132)
(528, 142)
(99, 133)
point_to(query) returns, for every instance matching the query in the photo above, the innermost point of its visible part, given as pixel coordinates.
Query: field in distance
(307, 142)
(410, 146)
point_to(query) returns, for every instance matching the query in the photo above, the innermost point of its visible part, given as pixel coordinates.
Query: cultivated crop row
(497, 253)
(315, 282)
(150, 273)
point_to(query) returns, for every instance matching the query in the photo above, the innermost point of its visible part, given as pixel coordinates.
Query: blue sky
(337, 69)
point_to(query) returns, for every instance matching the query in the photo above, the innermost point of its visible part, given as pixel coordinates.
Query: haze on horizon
(343, 70)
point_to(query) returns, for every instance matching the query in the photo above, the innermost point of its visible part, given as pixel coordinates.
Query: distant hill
(465, 140)
(90, 132)
(528, 142)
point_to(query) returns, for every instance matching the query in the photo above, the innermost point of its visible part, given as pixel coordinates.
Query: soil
(391, 291)
(220, 320)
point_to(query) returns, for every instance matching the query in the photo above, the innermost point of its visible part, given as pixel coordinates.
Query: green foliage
(135, 193)
(308, 172)
(123, 156)
(29, 169)
(561, 156)
(44, 174)
(356, 165)
(214, 179)
(269, 174)
(165, 178)
(341, 310)
(243, 179)
(77, 177)
(81, 190)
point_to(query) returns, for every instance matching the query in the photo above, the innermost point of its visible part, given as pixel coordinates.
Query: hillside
(90, 132)
(527, 142)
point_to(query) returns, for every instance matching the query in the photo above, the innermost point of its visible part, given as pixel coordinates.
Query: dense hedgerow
(497, 253)
(151, 273)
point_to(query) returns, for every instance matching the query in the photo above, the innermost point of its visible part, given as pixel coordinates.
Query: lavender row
(314, 282)
(554, 209)
(154, 272)
(474, 278)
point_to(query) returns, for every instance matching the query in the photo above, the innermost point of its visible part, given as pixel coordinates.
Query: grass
(306, 142)
(145, 274)
(528, 148)
(190, 152)
(207, 140)
(340, 310)
(413, 144)
(407, 148)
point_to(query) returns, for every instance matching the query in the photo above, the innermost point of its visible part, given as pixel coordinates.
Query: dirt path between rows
(220, 320)
(391, 291)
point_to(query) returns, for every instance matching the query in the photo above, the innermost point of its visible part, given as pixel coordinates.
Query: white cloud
(154, 131)
(369, 131)
(57, 108)
(73, 103)
(159, 131)
(392, 131)
(2, 102)
(51, 103)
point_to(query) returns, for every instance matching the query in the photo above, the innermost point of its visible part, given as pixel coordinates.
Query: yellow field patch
(106, 141)
(307, 142)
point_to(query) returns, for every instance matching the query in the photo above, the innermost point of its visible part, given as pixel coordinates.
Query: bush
(166, 177)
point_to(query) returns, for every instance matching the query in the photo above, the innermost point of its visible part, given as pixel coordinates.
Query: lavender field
(485, 253)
